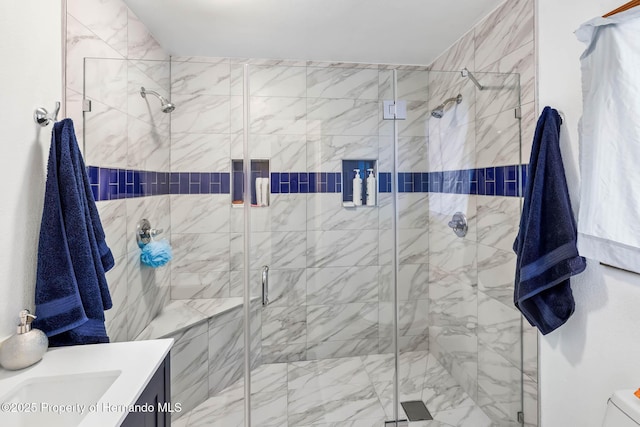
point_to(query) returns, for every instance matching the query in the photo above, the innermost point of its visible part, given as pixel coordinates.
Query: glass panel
(348, 282)
(474, 329)
(327, 332)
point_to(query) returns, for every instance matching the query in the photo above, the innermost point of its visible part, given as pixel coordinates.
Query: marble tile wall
(330, 267)
(478, 340)
(110, 54)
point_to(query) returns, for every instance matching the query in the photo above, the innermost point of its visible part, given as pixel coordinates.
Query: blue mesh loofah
(156, 254)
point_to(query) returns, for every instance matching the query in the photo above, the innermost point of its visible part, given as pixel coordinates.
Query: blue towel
(546, 243)
(71, 288)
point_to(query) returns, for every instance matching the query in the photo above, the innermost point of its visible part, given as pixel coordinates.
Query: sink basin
(111, 376)
(62, 400)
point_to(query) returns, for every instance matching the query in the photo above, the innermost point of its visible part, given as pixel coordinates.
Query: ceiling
(373, 31)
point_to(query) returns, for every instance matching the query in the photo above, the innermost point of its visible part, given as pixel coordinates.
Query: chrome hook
(42, 117)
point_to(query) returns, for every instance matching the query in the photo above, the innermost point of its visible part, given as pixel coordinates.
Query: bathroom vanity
(113, 384)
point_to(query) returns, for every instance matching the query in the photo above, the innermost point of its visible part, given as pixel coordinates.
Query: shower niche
(359, 183)
(260, 183)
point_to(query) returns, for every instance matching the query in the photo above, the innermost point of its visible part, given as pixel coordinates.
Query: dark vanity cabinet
(153, 408)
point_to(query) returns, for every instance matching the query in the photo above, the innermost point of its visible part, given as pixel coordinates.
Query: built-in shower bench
(207, 355)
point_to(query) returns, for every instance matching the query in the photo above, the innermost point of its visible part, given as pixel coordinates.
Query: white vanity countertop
(135, 361)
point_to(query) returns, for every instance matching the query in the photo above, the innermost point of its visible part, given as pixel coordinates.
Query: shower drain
(416, 410)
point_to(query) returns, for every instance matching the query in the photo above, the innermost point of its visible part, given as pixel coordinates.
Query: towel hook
(42, 116)
(145, 232)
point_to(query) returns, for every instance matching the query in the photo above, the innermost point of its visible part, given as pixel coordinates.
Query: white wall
(597, 351)
(30, 48)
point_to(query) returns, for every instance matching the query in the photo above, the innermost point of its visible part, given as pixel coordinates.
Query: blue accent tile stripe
(306, 182)
(113, 183)
(490, 181)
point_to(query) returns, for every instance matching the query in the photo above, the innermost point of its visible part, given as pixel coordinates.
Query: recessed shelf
(260, 183)
(364, 167)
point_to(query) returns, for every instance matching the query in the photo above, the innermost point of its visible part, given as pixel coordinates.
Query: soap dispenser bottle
(26, 347)
(357, 188)
(371, 189)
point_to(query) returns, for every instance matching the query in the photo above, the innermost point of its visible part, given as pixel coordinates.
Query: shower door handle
(265, 285)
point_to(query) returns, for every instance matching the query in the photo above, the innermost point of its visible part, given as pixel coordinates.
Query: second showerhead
(166, 106)
(438, 112)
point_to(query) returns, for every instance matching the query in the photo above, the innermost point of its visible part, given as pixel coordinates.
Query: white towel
(265, 192)
(259, 201)
(609, 219)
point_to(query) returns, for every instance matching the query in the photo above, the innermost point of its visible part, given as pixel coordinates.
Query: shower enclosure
(344, 309)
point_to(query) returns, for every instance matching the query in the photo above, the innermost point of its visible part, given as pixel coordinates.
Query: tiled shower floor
(346, 392)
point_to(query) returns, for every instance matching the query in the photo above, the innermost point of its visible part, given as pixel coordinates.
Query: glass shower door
(324, 346)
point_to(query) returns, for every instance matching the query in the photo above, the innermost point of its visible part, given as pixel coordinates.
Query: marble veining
(201, 114)
(502, 32)
(340, 285)
(335, 248)
(192, 213)
(413, 211)
(107, 19)
(342, 322)
(519, 61)
(412, 85)
(285, 152)
(278, 115)
(189, 361)
(148, 146)
(106, 81)
(413, 153)
(451, 146)
(352, 347)
(458, 56)
(287, 287)
(200, 152)
(141, 43)
(498, 140)
(106, 136)
(342, 117)
(209, 284)
(284, 325)
(502, 93)
(196, 253)
(351, 83)
(276, 80)
(174, 317)
(325, 212)
(498, 385)
(499, 328)
(83, 43)
(346, 392)
(496, 273)
(325, 153)
(498, 219)
(201, 78)
(413, 246)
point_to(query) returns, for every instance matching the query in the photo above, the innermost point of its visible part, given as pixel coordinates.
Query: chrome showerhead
(438, 112)
(166, 106)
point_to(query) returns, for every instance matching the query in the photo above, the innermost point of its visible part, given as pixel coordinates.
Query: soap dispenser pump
(26, 347)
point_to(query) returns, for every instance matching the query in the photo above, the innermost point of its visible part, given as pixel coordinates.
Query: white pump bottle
(371, 189)
(357, 188)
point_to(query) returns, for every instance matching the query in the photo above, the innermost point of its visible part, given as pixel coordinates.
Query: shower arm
(144, 92)
(466, 73)
(456, 99)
